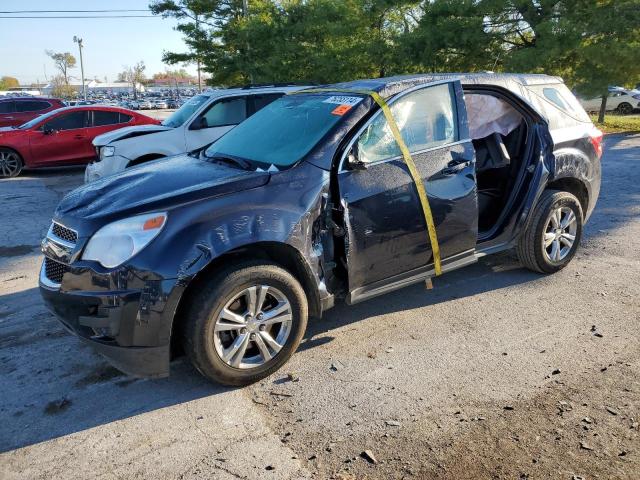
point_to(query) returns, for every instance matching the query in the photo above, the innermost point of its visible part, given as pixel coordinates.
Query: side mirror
(353, 160)
(199, 123)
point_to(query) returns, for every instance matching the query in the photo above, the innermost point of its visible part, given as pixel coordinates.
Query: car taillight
(637, 97)
(596, 137)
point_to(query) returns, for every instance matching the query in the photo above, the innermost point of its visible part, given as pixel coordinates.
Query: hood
(127, 132)
(157, 185)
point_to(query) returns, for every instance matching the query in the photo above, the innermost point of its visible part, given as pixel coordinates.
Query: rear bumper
(128, 327)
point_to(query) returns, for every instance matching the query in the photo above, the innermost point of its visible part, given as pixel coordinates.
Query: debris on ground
(57, 406)
(292, 377)
(612, 411)
(392, 423)
(585, 446)
(369, 456)
(508, 407)
(337, 365)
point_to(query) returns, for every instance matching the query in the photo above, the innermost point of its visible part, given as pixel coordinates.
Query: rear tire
(259, 309)
(11, 163)
(552, 237)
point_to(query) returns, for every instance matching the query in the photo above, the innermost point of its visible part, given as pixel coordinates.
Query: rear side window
(124, 118)
(68, 121)
(6, 107)
(102, 117)
(426, 118)
(226, 112)
(558, 97)
(32, 105)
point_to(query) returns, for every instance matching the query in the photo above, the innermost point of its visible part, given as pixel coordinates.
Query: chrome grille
(54, 270)
(64, 233)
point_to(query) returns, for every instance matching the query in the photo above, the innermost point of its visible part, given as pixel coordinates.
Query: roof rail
(266, 85)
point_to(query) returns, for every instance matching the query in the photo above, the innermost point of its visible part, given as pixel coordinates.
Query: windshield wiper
(234, 161)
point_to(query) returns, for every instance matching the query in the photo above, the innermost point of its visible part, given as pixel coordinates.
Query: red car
(61, 137)
(16, 111)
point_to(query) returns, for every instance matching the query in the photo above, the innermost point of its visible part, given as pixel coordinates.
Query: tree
(60, 88)
(8, 82)
(133, 75)
(63, 62)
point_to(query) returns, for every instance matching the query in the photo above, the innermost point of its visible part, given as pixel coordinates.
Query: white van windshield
(183, 114)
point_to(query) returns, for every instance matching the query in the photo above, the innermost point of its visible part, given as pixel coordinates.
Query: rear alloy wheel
(625, 108)
(552, 237)
(10, 163)
(245, 323)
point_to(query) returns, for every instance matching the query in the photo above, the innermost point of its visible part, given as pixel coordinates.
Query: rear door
(102, 121)
(216, 120)
(387, 239)
(62, 139)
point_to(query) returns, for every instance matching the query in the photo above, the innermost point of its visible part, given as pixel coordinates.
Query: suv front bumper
(128, 327)
(107, 166)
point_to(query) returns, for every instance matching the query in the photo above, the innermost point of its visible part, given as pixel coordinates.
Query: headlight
(117, 242)
(107, 151)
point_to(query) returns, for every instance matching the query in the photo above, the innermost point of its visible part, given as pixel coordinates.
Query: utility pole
(78, 40)
(245, 14)
(197, 60)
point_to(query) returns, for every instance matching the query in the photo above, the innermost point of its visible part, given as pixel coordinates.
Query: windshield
(183, 114)
(284, 131)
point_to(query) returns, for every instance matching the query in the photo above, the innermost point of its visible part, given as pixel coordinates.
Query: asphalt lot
(496, 373)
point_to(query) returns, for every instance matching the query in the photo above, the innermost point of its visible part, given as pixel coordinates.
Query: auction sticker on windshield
(342, 100)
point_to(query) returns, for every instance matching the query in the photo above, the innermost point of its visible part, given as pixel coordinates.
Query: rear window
(31, 105)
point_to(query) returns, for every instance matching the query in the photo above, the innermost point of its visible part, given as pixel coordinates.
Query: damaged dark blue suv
(343, 192)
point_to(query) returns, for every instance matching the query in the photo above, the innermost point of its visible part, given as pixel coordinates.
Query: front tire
(552, 237)
(10, 163)
(245, 323)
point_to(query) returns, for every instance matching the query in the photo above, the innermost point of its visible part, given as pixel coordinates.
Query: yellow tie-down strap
(406, 155)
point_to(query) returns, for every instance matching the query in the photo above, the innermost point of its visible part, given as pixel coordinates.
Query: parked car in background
(77, 103)
(200, 121)
(16, 110)
(227, 252)
(619, 100)
(146, 105)
(160, 104)
(173, 103)
(61, 137)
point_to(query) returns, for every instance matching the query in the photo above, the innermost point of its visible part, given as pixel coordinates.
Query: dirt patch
(101, 374)
(57, 406)
(17, 250)
(570, 430)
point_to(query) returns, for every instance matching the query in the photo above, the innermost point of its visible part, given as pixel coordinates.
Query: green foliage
(8, 82)
(591, 43)
(61, 88)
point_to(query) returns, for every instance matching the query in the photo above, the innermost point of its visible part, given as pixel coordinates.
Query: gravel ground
(496, 373)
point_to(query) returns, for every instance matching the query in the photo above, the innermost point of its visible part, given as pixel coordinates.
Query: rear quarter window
(559, 105)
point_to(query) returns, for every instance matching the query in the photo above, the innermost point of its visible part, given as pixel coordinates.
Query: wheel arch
(281, 254)
(145, 158)
(574, 186)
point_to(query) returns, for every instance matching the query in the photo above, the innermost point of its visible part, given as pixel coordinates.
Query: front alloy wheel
(253, 326)
(10, 163)
(245, 322)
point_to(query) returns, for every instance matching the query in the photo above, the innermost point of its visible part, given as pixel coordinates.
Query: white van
(200, 121)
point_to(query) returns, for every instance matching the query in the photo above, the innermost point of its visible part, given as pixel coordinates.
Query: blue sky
(108, 43)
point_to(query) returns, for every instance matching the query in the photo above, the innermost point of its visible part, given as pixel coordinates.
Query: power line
(84, 16)
(75, 11)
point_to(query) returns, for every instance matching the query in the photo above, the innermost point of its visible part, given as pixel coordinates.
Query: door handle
(78, 137)
(455, 166)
